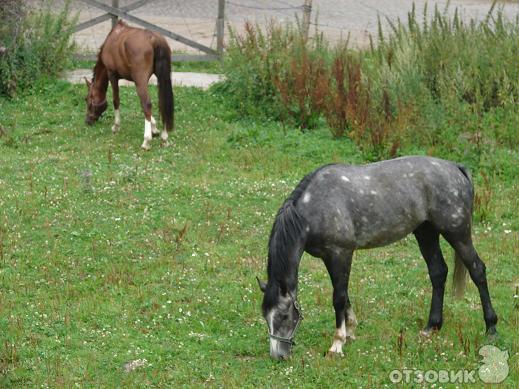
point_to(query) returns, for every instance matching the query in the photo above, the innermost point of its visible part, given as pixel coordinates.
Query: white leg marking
(117, 121)
(339, 339)
(164, 135)
(344, 332)
(154, 130)
(147, 135)
(351, 324)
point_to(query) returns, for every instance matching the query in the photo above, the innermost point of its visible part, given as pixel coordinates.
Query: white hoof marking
(164, 136)
(147, 135)
(336, 348)
(117, 121)
(154, 130)
(351, 324)
(341, 334)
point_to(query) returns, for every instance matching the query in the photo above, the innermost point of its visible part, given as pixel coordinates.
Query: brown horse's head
(96, 104)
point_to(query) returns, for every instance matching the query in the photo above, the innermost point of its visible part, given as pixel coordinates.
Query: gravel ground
(196, 19)
(199, 80)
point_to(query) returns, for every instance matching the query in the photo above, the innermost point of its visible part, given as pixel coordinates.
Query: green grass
(109, 254)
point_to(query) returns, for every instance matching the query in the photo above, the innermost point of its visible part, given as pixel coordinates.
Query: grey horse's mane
(289, 227)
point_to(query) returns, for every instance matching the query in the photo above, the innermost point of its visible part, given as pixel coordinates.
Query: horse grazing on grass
(133, 54)
(339, 208)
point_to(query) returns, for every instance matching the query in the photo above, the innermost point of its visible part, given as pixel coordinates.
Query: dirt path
(199, 80)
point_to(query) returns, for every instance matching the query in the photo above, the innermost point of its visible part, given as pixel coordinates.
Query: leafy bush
(249, 66)
(37, 44)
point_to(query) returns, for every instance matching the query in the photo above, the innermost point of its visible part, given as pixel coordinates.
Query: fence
(193, 27)
(113, 12)
(200, 25)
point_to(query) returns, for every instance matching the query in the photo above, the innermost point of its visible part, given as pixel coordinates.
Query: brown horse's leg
(142, 91)
(115, 89)
(154, 130)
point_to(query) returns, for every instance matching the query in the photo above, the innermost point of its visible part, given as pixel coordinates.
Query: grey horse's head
(282, 313)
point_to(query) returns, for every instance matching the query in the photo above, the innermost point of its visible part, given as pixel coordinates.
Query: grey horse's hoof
(427, 332)
(491, 336)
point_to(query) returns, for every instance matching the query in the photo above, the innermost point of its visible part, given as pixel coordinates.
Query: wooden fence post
(307, 10)
(220, 27)
(115, 4)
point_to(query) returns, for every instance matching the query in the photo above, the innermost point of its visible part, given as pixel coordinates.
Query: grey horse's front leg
(338, 265)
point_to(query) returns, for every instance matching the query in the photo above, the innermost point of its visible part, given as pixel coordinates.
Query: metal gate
(115, 12)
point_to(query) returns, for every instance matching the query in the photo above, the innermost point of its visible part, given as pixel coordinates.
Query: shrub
(37, 44)
(273, 73)
(248, 66)
(429, 85)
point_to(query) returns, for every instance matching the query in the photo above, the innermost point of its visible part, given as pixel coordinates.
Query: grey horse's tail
(459, 277)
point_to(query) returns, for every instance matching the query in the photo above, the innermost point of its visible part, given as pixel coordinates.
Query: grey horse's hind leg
(429, 242)
(338, 265)
(477, 270)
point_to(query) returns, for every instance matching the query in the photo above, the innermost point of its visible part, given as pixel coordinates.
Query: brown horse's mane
(99, 65)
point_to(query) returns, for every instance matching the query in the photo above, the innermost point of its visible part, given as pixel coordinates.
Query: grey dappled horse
(340, 208)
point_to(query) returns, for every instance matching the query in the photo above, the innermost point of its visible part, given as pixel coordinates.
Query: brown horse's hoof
(333, 355)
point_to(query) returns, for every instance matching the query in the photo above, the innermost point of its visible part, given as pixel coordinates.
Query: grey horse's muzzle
(286, 342)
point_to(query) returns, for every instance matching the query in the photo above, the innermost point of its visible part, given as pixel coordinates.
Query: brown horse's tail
(162, 69)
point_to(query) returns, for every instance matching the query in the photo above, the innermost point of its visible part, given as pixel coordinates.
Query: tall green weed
(434, 83)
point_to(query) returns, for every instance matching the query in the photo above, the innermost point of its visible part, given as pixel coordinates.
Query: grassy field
(109, 254)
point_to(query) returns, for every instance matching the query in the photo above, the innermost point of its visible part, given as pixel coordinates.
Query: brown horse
(133, 54)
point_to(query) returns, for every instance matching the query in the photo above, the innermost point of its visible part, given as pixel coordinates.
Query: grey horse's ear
(262, 285)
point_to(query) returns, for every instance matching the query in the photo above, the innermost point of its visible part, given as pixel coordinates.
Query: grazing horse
(340, 208)
(133, 54)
